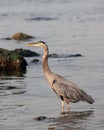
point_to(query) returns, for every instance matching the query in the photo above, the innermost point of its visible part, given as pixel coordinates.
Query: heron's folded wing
(68, 90)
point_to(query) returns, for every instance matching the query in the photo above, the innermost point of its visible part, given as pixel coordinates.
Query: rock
(54, 55)
(64, 55)
(25, 53)
(10, 61)
(40, 118)
(42, 18)
(35, 61)
(7, 38)
(21, 36)
(75, 55)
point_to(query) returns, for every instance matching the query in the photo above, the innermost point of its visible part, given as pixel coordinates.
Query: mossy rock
(6, 54)
(10, 61)
(21, 36)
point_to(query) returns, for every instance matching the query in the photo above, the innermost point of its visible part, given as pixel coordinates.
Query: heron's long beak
(33, 44)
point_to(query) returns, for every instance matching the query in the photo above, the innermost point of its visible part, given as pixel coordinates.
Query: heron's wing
(69, 90)
(65, 89)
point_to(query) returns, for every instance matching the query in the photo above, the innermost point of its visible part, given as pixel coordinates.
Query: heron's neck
(46, 68)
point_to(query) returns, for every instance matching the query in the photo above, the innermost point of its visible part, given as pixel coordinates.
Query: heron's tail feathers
(89, 99)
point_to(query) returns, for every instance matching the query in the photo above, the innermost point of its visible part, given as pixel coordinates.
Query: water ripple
(12, 85)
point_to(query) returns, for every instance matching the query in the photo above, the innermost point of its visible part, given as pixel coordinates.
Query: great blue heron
(66, 90)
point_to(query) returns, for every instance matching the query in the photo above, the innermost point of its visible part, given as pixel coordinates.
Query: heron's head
(39, 43)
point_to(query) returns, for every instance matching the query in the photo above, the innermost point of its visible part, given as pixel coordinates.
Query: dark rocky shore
(13, 61)
(10, 61)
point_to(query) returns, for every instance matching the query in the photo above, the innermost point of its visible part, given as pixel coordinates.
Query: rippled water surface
(68, 27)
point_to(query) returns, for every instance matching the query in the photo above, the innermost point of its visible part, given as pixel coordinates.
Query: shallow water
(68, 27)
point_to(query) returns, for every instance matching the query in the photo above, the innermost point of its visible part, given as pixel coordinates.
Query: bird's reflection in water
(71, 120)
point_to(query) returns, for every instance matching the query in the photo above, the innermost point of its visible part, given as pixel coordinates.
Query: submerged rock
(35, 61)
(10, 61)
(54, 55)
(42, 18)
(40, 118)
(25, 53)
(21, 36)
(7, 38)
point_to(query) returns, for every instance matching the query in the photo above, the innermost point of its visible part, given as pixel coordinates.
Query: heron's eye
(54, 81)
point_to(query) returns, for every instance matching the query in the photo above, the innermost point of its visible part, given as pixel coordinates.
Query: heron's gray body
(65, 89)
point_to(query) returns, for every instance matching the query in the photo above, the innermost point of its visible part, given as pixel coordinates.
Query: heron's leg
(62, 106)
(69, 106)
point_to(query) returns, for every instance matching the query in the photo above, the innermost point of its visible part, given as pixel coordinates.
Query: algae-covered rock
(10, 61)
(25, 53)
(21, 36)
